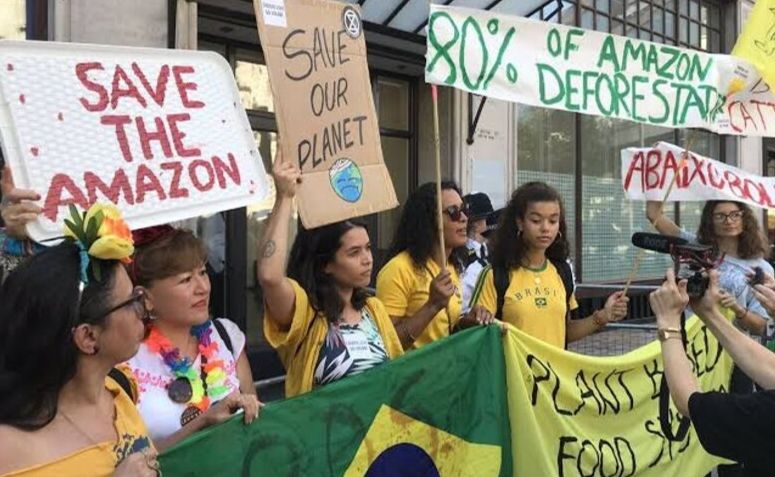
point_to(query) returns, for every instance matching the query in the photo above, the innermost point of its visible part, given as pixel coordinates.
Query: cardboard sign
(648, 172)
(560, 67)
(325, 112)
(160, 133)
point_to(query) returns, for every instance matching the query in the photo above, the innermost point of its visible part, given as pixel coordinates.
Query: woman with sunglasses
(733, 230)
(423, 300)
(530, 251)
(67, 318)
(192, 371)
(318, 315)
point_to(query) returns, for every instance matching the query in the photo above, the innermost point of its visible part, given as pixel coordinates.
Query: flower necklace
(192, 387)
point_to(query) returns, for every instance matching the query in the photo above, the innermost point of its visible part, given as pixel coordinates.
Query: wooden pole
(437, 141)
(681, 164)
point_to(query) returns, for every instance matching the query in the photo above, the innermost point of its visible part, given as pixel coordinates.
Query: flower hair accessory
(100, 233)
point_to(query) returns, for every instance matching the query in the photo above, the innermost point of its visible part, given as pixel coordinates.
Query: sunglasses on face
(732, 216)
(456, 212)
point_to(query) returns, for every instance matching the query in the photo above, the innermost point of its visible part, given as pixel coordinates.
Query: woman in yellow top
(319, 317)
(423, 301)
(531, 245)
(66, 319)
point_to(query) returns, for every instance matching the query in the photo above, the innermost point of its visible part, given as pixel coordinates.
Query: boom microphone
(657, 242)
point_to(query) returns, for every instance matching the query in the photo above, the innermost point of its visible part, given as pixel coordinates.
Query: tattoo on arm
(269, 249)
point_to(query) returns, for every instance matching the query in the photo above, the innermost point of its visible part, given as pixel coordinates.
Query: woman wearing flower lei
(192, 370)
(68, 316)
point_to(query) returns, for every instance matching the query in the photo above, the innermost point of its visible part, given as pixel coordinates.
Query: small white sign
(274, 13)
(648, 172)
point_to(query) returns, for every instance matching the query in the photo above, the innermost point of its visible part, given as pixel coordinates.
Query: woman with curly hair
(732, 229)
(529, 283)
(424, 301)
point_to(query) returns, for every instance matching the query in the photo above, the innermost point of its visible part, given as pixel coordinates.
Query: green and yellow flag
(475, 404)
(439, 411)
(756, 43)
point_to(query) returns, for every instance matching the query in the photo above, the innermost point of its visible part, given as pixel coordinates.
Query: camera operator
(740, 427)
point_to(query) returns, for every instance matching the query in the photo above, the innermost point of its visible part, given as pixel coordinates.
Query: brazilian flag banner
(438, 411)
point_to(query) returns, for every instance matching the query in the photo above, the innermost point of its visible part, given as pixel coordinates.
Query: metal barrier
(617, 338)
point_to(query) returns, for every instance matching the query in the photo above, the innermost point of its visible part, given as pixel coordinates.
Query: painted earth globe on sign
(346, 180)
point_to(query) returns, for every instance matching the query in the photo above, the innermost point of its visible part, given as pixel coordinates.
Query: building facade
(487, 145)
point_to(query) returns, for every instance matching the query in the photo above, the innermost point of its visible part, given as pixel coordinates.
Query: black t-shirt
(740, 427)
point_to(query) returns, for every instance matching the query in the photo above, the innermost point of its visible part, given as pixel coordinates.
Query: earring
(559, 234)
(519, 233)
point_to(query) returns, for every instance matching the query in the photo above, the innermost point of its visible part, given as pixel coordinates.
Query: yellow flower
(114, 238)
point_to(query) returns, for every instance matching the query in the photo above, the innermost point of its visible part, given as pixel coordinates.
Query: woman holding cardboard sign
(423, 300)
(318, 315)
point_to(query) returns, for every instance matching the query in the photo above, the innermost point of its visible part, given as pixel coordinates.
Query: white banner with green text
(561, 67)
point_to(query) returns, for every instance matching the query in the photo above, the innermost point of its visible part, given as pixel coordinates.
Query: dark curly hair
(752, 242)
(509, 248)
(39, 307)
(418, 230)
(312, 250)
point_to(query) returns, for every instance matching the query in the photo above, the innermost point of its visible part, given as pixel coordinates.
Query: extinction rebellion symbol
(352, 22)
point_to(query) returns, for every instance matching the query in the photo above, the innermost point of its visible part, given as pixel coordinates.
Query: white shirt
(471, 273)
(160, 413)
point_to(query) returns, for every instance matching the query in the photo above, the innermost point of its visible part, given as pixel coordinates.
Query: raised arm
(17, 207)
(754, 359)
(668, 302)
(272, 249)
(657, 217)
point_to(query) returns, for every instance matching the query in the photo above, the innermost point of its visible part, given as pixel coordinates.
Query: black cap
(479, 205)
(492, 222)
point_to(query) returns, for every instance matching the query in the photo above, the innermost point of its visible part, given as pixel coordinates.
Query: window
(558, 147)
(608, 218)
(546, 145)
(688, 23)
(393, 96)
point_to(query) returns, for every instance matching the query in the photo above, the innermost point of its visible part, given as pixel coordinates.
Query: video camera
(692, 261)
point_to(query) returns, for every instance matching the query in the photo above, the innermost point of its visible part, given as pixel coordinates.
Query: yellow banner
(757, 40)
(573, 415)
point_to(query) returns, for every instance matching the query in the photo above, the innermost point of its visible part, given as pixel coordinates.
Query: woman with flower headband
(68, 316)
(192, 371)
(318, 315)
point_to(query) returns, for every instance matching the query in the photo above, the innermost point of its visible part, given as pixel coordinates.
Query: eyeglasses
(136, 301)
(732, 216)
(456, 212)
